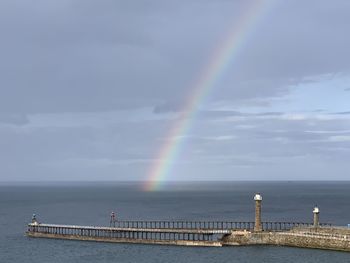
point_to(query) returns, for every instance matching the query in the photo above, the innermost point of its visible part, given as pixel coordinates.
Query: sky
(90, 89)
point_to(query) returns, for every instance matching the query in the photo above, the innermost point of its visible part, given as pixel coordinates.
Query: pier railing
(222, 225)
(282, 226)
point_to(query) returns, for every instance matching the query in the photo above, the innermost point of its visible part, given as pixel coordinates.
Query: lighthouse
(258, 225)
(316, 213)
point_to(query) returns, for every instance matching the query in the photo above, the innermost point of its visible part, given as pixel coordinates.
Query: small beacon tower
(316, 212)
(34, 220)
(258, 225)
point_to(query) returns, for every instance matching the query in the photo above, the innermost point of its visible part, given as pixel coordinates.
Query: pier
(204, 233)
(197, 233)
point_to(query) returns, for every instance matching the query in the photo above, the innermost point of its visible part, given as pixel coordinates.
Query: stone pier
(205, 233)
(324, 238)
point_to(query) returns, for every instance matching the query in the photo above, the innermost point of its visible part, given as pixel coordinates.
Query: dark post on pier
(112, 221)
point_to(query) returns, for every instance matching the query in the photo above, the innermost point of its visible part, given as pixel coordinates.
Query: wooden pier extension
(166, 236)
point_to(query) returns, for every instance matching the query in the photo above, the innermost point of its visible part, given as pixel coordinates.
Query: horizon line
(169, 182)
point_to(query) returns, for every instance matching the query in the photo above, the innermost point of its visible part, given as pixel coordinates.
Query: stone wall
(290, 238)
(324, 230)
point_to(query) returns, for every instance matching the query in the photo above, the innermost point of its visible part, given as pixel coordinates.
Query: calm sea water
(91, 204)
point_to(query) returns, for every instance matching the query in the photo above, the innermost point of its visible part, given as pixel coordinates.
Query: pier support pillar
(316, 213)
(258, 225)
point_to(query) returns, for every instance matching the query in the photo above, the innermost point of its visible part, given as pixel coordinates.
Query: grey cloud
(15, 119)
(341, 113)
(127, 150)
(215, 114)
(88, 56)
(167, 107)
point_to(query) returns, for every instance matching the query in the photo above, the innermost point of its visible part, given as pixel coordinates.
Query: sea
(91, 204)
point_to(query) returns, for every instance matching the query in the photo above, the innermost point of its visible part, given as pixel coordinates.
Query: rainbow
(220, 60)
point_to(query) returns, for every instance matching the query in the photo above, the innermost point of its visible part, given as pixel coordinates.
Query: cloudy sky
(90, 89)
